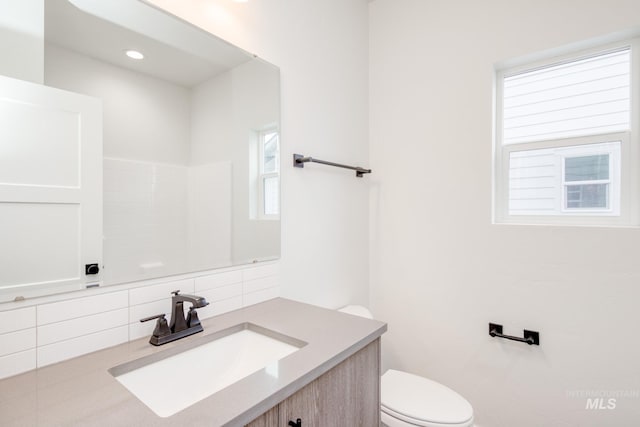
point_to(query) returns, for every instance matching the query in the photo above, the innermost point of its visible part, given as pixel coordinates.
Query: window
(564, 141)
(578, 180)
(269, 175)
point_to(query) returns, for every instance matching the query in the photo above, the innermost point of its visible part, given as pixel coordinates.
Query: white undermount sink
(217, 361)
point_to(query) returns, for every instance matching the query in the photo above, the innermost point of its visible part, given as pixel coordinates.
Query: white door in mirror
(50, 188)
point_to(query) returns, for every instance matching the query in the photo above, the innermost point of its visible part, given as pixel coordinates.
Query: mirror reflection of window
(269, 180)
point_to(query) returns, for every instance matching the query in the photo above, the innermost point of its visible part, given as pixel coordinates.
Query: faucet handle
(175, 293)
(192, 318)
(157, 316)
(162, 328)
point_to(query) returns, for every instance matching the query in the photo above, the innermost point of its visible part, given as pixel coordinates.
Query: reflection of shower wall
(145, 219)
(163, 219)
(209, 216)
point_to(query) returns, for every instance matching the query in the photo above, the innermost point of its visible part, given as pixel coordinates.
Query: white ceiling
(70, 27)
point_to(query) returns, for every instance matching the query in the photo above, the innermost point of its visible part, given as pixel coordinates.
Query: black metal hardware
(298, 423)
(179, 327)
(299, 160)
(161, 331)
(530, 337)
(91, 269)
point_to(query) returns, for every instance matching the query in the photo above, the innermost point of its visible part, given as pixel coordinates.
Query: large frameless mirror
(190, 157)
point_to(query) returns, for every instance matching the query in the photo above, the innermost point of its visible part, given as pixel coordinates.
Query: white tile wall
(220, 307)
(14, 342)
(17, 341)
(48, 333)
(217, 280)
(15, 320)
(81, 307)
(17, 363)
(159, 292)
(68, 329)
(261, 271)
(256, 285)
(223, 292)
(63, 350)
(263, 295)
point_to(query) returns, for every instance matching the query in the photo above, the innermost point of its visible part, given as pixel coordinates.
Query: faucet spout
(178, 321)
(198, 302)
(179, 327)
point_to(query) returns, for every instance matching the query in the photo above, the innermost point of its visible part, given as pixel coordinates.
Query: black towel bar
(299, 160)
(530, 337)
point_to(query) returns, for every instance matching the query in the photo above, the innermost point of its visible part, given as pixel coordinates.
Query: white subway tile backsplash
(49, 333)
(140, 330)
(61, 331)
(260, 296)
(223, 292)
(14, 320)
(14, 342)
(216, 280)
(79, 307)
(262, 271)
(260, 284)
(53, 353)
(137, 312)
(160, 291)
(17, 363)
(220, 307)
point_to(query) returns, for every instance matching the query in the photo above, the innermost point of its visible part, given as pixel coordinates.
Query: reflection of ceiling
(68, 26)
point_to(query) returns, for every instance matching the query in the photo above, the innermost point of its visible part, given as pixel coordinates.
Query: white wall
(440, 271)
(321, 49)
(22, 39)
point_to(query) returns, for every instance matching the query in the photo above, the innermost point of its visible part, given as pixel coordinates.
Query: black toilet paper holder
(529, 337)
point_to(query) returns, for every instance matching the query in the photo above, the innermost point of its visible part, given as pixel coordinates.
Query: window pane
(587, 196)
(271, 195)
(586, 168)
(583, 97)
(539, 186)
(533, 181)
(270, 148)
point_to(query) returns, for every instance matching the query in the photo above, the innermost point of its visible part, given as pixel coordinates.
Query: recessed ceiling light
(134, 54)
(241, 1)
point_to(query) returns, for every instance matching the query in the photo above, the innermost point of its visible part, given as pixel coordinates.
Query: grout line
(84, 335)
(128, 315)
(82, 317)
(79, 317)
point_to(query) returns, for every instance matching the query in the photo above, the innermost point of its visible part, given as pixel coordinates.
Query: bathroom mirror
(190, 145)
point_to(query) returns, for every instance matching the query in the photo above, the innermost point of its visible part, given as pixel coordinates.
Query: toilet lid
(411, 397)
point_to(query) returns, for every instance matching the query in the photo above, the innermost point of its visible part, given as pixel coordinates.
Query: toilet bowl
(410, 400)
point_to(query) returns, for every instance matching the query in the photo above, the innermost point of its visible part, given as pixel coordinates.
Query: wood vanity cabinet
(347, 395)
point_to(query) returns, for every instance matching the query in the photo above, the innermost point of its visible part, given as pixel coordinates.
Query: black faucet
(179, 326)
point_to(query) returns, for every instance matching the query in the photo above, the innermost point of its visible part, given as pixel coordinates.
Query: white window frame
(626, 211)
(262, 175)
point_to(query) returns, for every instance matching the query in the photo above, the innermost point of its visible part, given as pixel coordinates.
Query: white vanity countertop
(81, 391)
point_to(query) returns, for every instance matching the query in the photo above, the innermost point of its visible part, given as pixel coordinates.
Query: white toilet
(411, 400)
